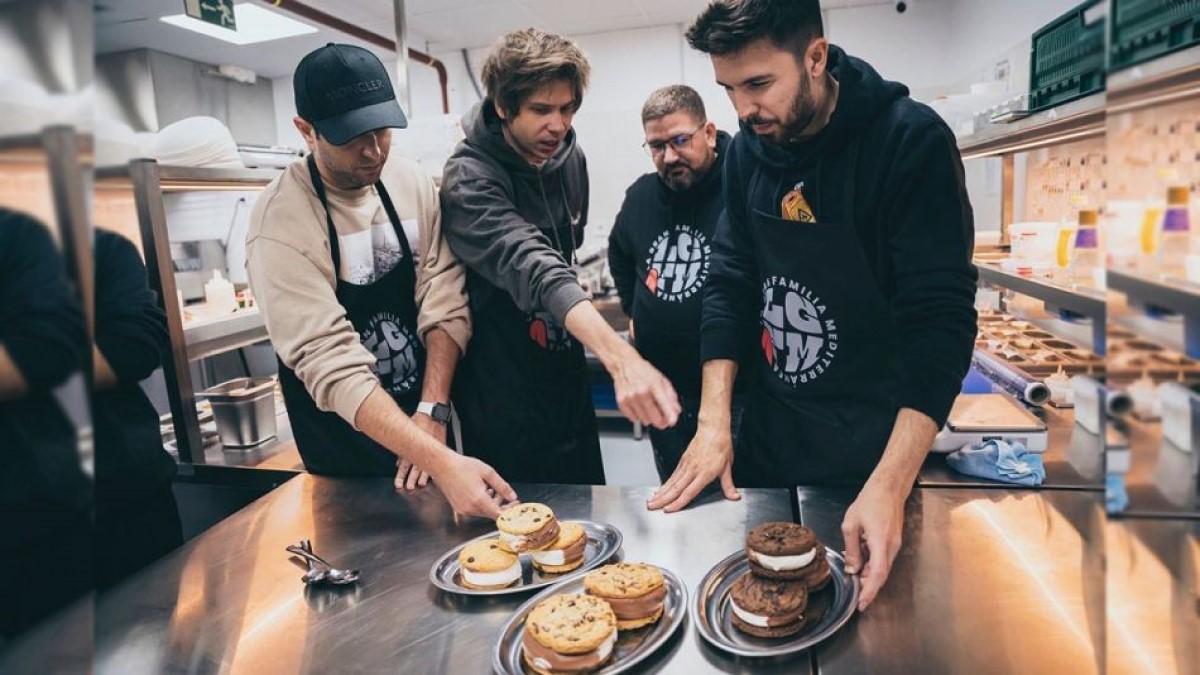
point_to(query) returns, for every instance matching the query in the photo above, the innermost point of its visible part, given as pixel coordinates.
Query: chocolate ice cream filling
(536, 540)
(562, 556)
(545, 658)
(641, 607)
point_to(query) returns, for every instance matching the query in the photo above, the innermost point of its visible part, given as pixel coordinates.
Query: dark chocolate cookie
(769, 597)
(780, 539)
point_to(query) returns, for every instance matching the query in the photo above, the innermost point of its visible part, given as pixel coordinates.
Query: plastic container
(244, 410)
(219, 294)
(1034, 246)
(1086, 257)
(1176, 237)
(1121, 229)
(1179, 419)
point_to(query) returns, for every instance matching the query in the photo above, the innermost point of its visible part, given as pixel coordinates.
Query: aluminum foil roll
(1029, 389)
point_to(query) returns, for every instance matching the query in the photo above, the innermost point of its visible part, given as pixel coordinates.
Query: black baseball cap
(345, 91)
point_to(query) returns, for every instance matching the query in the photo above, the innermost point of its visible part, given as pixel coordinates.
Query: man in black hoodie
(45, 497)
(514, 204)
(846, 256)
(660, 249)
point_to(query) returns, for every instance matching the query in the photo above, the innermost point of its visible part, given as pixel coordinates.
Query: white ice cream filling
(607, 646)
(514, 541)
(783, 563)
(557, 557)
(602, 651)
(501, 578)
(752, 619)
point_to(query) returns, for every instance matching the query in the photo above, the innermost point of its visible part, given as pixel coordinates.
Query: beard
(678, 177)
(801, 114)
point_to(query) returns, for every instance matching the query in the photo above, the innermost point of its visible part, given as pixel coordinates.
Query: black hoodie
(912, 218)
(647, 235)
(515, 227)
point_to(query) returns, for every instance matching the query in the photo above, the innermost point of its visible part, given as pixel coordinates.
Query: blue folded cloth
(1115, 496)
(1003, 461)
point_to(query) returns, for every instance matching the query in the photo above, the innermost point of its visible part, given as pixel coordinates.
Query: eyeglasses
(678, 142)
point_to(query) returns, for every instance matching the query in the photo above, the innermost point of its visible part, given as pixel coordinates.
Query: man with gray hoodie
(514, 204)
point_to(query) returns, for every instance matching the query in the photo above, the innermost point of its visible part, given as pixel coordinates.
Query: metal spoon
(319, 570)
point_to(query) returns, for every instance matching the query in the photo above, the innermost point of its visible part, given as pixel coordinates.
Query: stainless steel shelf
(1077, 120)
(218, 337)
(1159, 294)
(1076, 301)
(178, 178)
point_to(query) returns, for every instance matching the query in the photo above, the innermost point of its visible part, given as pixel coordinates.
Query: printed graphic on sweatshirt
(396, 352)
(368, 255)
(799, 340)
(795, 207)
(677, 264)
(547, 334)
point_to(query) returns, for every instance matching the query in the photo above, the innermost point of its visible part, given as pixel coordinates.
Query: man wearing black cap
(364, 302)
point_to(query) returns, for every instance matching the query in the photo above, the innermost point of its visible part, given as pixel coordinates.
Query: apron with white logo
(384, 313)
(820, 408)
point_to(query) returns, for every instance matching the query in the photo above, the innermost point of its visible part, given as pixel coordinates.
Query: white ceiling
(445, 24)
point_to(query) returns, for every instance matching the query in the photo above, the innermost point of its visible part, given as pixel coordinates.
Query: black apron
(384, 313)
(821, 409)
(523, 394)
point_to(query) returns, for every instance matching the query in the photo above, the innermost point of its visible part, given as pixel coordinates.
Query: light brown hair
(525, 60)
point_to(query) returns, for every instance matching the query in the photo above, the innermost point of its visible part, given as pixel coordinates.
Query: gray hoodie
(515, 227)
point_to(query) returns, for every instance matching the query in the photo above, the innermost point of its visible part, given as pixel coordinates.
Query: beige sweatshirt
(291, 271)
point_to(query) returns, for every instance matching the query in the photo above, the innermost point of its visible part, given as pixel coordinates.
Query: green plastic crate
(1146, 29)
(1067, 59)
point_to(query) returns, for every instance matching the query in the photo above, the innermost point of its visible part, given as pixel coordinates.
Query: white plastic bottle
(219, 294)
(1087, 258)
(1175, 240)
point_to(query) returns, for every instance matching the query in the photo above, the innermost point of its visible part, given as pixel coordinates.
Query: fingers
(667, 401)
(630, 408)
(645, 409)
(852, 538)
(503, 490)
(670, 490)
(424, 479)
(411, 482)
(727, 484)
(403, 468)
(881, 551)
(487, 507)
(689, 493)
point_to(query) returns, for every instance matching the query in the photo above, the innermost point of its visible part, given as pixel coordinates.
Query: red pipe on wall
(317, 16)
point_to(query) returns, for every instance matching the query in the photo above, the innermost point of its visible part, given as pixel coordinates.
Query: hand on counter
(709, 455)
(872, 531)
(408, 476)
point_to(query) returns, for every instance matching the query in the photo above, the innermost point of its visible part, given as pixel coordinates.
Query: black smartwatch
(440, 412)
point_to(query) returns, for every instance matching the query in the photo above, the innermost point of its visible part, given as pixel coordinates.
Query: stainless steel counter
(1160, 481)
(987, 581)
(230, 601)
(1153, 595)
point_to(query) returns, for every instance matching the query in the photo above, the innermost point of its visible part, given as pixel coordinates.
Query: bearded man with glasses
(660, 247)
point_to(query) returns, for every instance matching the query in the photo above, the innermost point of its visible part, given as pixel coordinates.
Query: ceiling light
(254, 24)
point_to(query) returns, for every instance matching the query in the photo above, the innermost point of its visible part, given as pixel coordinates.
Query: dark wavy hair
(728, 26)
